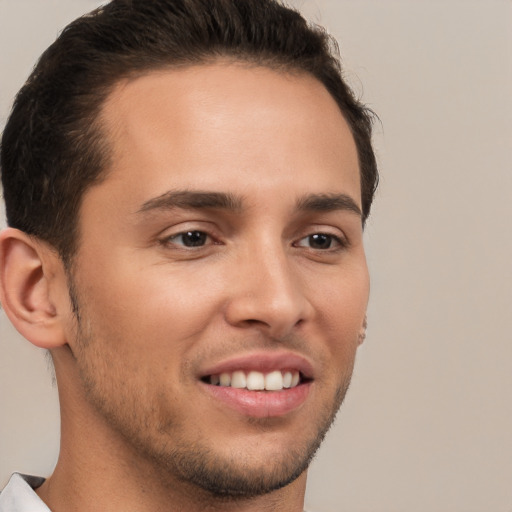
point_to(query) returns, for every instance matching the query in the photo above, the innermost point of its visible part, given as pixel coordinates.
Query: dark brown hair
(53, 147)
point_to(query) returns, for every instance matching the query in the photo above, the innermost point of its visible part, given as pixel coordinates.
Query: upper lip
(262, 362)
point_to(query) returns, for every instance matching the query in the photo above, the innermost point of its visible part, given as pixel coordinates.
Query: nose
(267, 293)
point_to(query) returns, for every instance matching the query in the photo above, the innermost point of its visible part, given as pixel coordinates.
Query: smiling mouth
(276, 380)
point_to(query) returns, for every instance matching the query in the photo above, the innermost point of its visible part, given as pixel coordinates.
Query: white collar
(19, 496)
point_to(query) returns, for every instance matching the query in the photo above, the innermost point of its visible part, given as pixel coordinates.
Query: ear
(362, 333)
(27, 276)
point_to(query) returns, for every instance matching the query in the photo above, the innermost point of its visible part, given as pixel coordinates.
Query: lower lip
(261, 404)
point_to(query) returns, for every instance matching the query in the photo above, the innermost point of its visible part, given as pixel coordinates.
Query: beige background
(427, 424)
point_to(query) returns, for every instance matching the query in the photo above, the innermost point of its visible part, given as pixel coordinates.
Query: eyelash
(202, 237)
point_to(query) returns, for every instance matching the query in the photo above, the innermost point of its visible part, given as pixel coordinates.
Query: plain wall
(427, 422)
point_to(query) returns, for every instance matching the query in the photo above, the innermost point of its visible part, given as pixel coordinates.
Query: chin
(238, 476)
(267, 461)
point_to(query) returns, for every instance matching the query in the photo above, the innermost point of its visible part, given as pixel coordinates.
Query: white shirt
(19, 495)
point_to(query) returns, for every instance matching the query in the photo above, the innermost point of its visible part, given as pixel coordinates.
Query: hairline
(99, 126)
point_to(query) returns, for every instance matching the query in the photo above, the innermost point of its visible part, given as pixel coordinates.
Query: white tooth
(214, 380)
(287, 379)
(225, 379)
(238, 380)
(255, 381)
(274, 381)
(295, 379)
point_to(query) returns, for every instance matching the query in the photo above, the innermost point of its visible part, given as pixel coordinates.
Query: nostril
(251, 321)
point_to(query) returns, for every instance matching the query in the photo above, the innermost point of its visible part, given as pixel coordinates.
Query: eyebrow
(190, 200)
(328, 202)
(193, 200)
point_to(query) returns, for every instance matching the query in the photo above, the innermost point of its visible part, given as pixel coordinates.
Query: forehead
(209, 126)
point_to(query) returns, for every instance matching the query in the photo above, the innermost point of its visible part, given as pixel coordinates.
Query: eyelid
(326, 229)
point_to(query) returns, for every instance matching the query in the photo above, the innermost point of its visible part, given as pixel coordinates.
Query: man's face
(223, 245)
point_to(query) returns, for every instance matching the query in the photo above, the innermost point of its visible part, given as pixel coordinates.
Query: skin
(155, 315)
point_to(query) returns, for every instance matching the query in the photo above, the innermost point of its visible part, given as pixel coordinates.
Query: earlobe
(362, 332)
(25, 278)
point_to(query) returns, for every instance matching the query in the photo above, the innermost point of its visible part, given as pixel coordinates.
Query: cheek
(155, 305)
(345, 291)
(341, 307)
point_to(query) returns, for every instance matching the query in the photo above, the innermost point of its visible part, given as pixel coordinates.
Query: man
(186, 185)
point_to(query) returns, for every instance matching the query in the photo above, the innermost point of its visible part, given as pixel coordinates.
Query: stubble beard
(192, 463)
(232, 479)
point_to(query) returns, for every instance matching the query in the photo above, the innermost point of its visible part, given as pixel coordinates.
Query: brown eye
(321, 242)
(190, 239)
